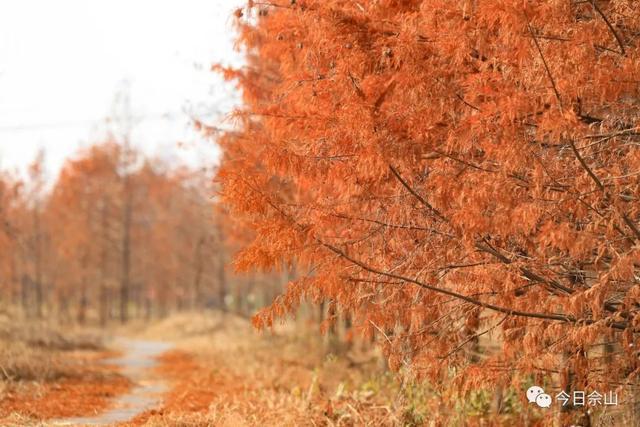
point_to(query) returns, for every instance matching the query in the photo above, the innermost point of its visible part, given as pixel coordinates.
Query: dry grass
(34, 350)
(225, 373)
(47, 373)
(20, 362)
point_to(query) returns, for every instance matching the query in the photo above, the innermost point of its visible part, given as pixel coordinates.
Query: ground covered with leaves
(49, 372)
(222, 372)
(230, 375)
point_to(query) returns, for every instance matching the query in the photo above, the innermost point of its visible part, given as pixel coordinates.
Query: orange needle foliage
(447, 170)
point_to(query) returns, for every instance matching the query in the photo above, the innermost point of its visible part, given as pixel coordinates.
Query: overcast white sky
(61, 63)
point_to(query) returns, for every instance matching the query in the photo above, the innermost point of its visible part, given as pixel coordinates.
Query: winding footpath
(137, 362)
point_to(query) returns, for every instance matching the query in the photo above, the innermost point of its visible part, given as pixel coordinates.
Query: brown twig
(613, 30)
(473, 337)
(546, 66)
(585, 166)
(422, 200)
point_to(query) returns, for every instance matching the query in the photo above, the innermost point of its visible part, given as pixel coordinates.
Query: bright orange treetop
(446, 170)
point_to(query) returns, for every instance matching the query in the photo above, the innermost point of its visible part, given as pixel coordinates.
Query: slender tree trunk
(348, 325)
(24, 294)
(163, 309)
(63, 307)
(38, 263)
(241, 293)
(222, 274)
(15, 287)
(222, 280)
(332, 338)
(126, 250)
(103, 294)
(137, 298)
(82, 306)
(104, 304)
(197, 274)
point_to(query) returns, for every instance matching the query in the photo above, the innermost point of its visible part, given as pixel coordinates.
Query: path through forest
(207, 369)
(137, 360)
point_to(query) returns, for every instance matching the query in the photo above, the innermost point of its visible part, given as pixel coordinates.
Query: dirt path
(137, 362)
(217, 372)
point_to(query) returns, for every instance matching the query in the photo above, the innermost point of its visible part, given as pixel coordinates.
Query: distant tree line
(118, 235)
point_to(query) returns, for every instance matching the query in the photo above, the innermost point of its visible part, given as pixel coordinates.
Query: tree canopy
(446, 171)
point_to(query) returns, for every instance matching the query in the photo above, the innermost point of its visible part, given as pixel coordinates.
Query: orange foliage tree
(446, 171)
(63, 243)
(9, 196)
(82, 211)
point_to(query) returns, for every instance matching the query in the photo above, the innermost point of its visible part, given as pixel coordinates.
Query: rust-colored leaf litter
(193, 383)
(86, 392)
(193, 386)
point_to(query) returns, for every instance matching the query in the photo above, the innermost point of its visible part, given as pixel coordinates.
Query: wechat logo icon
(536, 394)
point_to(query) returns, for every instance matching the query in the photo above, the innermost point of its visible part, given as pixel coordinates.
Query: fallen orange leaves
(67, 398)
(87, 393)
(194, 387)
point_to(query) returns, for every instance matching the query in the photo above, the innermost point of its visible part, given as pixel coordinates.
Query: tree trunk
(222, 280)
(103, 294)
(82, 306)
(104, 304)
(24, 294)
(222, 273)
(126, 251)
(197, 274)
(38, 263)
